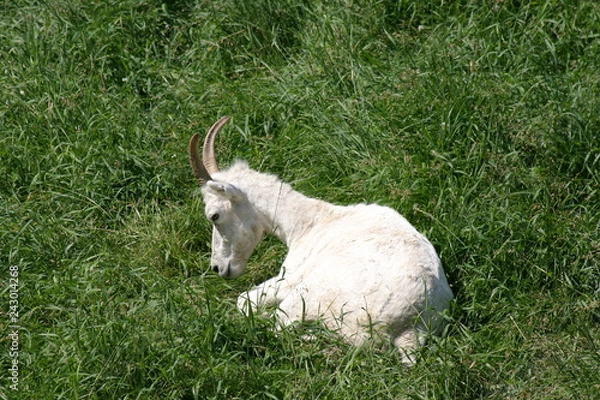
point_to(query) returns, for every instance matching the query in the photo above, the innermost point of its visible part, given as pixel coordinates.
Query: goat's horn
(208, 165)
(208, 151)
(198, 168)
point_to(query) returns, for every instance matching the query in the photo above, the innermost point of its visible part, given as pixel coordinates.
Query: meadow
(477, 120)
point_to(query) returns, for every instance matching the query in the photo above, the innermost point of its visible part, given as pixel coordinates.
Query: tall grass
(476, 120)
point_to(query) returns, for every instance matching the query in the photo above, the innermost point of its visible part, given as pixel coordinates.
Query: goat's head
(237, 226)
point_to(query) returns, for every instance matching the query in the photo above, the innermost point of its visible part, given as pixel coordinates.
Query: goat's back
(368, 265)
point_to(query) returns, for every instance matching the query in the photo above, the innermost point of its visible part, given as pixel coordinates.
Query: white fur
(363, 270)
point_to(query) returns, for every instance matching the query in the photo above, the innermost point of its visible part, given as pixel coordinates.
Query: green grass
(477, 120)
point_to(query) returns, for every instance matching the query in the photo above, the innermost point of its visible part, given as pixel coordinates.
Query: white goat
(363, 270)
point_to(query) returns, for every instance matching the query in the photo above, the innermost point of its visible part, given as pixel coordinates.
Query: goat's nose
(215, 268)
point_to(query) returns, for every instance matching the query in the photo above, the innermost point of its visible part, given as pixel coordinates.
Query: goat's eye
(215, 217)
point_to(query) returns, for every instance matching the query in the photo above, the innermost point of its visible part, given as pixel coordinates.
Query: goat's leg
(268, 294)
(408, 342)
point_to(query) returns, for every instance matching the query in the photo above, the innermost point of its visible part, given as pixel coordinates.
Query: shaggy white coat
(363, 270)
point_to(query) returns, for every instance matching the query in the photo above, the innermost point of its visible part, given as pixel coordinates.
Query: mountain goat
(363, 270)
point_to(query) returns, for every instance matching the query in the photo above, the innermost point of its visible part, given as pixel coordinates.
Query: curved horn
(198, 168)
(202, 168)
(208, 151)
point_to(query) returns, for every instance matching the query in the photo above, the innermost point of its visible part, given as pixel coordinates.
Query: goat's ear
(225, 189)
